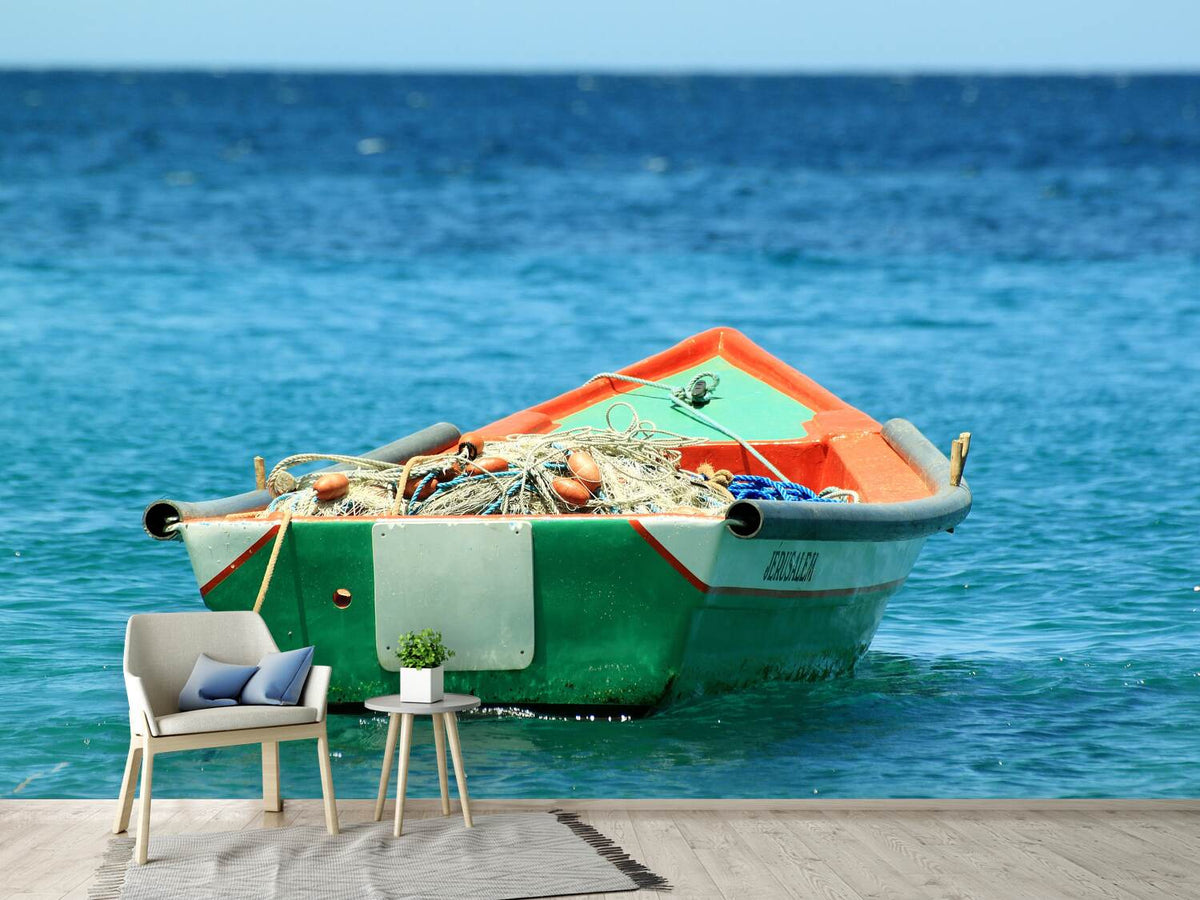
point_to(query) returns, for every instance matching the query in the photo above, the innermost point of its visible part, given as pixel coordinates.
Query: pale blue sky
(637, 35)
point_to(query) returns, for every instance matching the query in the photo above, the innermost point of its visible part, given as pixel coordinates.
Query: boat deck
(734, 848)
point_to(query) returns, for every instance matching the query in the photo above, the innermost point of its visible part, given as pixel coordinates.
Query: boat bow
(949, 504)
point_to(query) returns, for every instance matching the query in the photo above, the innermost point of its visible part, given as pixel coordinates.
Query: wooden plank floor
(732, 848)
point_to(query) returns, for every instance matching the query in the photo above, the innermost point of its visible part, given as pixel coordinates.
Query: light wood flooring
(733, 849)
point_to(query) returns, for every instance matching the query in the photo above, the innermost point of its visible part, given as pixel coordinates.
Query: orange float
(570, 491)
(487, 464)
(450, 471)
(471, 444)
(331, 487)
(410, 488)
(585, 470)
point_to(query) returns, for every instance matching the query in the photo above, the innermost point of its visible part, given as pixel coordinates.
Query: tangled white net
(639, 472)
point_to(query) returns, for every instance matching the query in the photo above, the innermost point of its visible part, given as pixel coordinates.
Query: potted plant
(422, 654)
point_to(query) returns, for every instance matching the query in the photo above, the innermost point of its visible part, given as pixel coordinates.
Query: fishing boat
(599, 609)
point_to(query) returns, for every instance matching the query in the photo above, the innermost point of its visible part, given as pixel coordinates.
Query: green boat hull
(617, 621)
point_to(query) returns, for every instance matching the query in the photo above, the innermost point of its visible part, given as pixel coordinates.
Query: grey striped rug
(503, 857)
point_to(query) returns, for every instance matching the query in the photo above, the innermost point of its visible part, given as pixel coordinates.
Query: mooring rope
(266, 582)
(688, 398)
(695, 393)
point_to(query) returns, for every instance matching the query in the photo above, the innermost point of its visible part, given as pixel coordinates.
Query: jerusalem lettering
(790, 565)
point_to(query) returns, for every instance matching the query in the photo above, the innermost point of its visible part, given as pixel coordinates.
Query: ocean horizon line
(219, 71)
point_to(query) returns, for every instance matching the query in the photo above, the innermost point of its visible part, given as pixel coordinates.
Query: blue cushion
(279, 678)
(213, 683)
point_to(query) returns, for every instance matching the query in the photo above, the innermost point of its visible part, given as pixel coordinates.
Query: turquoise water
(195, 269)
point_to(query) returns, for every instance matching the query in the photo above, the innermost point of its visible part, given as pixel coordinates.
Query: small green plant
(422, 649)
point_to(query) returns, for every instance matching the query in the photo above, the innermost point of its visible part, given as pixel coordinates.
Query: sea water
(198, 268)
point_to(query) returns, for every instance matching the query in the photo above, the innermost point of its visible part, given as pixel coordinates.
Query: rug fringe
(606, 847)
(110, 877)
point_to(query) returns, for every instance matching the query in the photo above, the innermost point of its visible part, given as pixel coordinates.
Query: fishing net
(634, 470)
(639, 472)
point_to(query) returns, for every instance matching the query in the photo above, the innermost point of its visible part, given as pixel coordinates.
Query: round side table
(400, 721)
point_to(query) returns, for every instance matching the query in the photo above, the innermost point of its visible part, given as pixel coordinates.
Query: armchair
(160, 650)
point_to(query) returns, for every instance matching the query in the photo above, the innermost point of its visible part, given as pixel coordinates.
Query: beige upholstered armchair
(160, 650)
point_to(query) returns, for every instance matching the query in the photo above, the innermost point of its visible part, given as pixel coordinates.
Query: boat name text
(791, 565)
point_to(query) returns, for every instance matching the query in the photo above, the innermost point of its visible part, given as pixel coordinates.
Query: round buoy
(585, 470)
(571, 492)
(331, 487)
(487, 464)
(471, 444)
(450, 471)
(410, 489)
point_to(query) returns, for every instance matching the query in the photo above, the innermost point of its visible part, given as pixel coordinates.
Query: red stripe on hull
(666, 554)
(245, 555)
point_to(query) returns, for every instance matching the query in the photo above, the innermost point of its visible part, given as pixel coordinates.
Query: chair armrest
(315, 689)
(139, 705)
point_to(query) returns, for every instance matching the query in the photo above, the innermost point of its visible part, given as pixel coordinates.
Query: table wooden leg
(439, 744)
(460, 775)
(406, 730)
(389, 751)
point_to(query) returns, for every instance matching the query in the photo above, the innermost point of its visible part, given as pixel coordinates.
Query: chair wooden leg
(439, 744)
(331, 817)
(142, 846)
(272, 799)
(133, 762)
(388, 752)
(460, 774)
(406, 730)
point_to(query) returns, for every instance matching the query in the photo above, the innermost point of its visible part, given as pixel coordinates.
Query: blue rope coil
(759, 487)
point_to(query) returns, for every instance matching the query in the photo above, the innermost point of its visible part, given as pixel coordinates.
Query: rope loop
(696, 393)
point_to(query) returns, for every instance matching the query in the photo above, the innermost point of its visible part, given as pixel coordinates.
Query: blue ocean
(198, 268)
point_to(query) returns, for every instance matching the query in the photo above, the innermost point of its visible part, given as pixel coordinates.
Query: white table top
(391, 703)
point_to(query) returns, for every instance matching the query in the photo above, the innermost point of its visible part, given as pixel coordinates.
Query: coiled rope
(759, 487)
(281, 481)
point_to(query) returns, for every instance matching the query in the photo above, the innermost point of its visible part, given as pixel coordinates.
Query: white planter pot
(422, 685)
